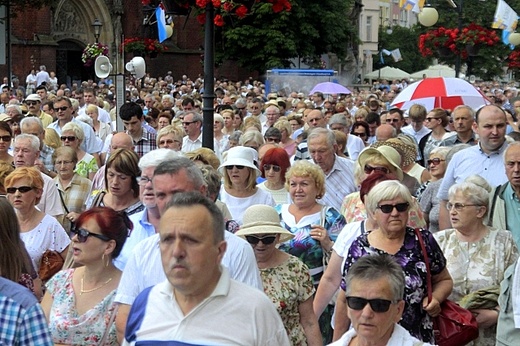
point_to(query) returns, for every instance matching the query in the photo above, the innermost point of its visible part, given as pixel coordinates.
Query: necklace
(93, 289)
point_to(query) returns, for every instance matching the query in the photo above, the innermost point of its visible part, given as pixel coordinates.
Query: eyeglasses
(460, 206)
(388, 208)
(233, 166)
(63, 109)
(274, 167)
(22, 189)
(435, 161)
(186, 123)
(255, 240)
(369, 169)
(430, 119)
(83, 235)
(64, 162)
(377, 305)
(31, 103)
(392, 120)
(68, 138)
(5, 138)
(143, 180)
(359, 134)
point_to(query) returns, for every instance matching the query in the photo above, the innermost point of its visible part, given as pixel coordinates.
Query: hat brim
(238, 162)
(285, 235)
(368, 152)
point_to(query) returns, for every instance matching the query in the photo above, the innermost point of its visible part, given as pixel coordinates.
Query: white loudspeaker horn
(137, 67)
(472, 79)
(102, 66)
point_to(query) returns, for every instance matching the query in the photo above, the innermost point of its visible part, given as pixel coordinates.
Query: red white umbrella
(441, 92)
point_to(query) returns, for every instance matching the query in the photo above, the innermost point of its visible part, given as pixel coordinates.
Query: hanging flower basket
(142, 46)
(440, 41)
(91, 52)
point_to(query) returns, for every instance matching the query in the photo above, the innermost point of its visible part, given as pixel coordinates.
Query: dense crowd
(301, 226)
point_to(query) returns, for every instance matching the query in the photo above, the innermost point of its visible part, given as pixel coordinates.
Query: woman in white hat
(285, 278)
(239, 190)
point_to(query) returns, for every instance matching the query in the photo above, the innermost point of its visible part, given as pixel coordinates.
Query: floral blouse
(302, 246)
(66, 326)
(410, 257)
(289, 285)
(86, 165)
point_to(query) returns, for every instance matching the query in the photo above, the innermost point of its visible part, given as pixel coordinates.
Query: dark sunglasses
(68, 138)
(435, 161)
(388, 208)
(5, 138)
(22, 189)
(83, 235)
(255, 240)
(369, 169)
(274, 167)
(63, 109)
(377, 305)
(237, 166)
(186, 123)
(31, 103)
(359, 134)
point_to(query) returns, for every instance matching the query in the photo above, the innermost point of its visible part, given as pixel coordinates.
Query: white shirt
(339, 182)
(50, 203)
(103, 115)
(354, 146)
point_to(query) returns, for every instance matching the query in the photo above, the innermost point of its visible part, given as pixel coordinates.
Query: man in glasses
(272, 114)
(143, 267)
(395, 117)
(255, 110)
(33, 126)
(33, 103)
(192, 124)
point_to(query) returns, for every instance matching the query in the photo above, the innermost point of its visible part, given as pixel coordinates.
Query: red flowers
(513, 60)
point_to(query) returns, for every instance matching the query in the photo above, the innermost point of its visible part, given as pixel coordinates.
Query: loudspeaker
(137, 67)
(102, 66)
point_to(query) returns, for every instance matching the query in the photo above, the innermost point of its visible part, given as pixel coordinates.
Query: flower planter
(444, 52)
(472, 50)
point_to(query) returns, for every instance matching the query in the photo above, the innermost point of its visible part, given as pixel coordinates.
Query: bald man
(385, 132)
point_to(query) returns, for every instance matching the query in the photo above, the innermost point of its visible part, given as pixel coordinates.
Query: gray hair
(474, 193)
(504, 155)
(156, 157)
(319, 131)
(33, 140)
(241, 102)
(468, 108)
(339, 119)
(169, 97)
(375, 267)
(479, 181)
(78, 131)
(28, 121)
(191, 199)
(213, 180)
(385, 191)
(251, 136)
(441, 151)
(196, 116)
(235, 136)
(179, 164)
(17, 108)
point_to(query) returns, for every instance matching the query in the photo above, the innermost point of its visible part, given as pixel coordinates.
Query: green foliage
(269, 40)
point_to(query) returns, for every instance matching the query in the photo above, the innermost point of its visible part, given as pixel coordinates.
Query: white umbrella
(388, 72)
(436, 71)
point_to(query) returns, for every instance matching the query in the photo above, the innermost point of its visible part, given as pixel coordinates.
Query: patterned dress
(410, 257)
(66, 326)
(288, 285)
(477, 265)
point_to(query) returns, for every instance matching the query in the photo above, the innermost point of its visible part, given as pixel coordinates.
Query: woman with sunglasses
(6, 135)
(477, 255)
(388, 203)
(40, 232)
(436, 121)
(239, 190)
(72, 135)
(273, 166)
(79, 302)
(285, 278)
(314, 225)
(361, 130)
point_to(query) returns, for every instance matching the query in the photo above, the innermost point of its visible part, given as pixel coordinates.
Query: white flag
(396, 54)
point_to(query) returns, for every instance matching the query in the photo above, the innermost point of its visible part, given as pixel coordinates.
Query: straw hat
(263, 219)
(406, 149)
(388, 153)
(241, 156)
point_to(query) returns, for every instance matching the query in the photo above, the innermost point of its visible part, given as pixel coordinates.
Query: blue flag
(161, 24)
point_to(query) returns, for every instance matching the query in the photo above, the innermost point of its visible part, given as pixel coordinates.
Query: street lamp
(97, 28)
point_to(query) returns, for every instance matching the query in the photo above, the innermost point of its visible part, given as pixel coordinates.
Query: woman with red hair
(273, 166)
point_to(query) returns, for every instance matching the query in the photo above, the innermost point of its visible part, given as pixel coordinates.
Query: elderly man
(199, 301)
(33, 126)
(34, 103)
(144, 266)
(272, 113)
(484, 159)
(339, 171)
(463, 119)
(314, 119)
(385, 132)
(355, 144)
(192, 124)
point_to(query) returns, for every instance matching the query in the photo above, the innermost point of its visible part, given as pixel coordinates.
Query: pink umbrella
(330, 88)
(440, 92)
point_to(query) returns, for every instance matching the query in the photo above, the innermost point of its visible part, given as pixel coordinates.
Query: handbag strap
(110, 322)
(426, 262)
(63, 201)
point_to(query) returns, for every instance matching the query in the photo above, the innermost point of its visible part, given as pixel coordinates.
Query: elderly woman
(79, 303)
(428, 199)
(285, 278)
(170, 137)
(221, 138)
(40, 232)
(240, 190)
(477, 255)
(122, 188)
(314, 225)
(436, 121)
(287, 143)
(388, 203)
(101, 129)
(375, 305)
(72, 187)
(273, 166)
(72, 135)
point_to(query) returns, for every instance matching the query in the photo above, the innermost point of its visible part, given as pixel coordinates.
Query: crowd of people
(301, 226)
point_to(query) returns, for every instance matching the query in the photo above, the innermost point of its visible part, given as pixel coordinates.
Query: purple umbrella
(330, 88)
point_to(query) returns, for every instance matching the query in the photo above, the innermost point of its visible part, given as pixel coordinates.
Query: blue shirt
(512, 204)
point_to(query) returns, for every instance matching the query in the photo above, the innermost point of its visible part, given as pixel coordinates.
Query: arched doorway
(68, 70)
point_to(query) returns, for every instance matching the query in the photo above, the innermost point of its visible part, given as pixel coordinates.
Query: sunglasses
(359, 134)
(255, 240)
(235, 166)
(274, 167)
(377, 305)
(22, 189)
(63, 109)
(68, 138)
(388, 208)
(369, 169)
(31, 103)
(435, 161)
(83, 235)
(5, 138)
(186, 123)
